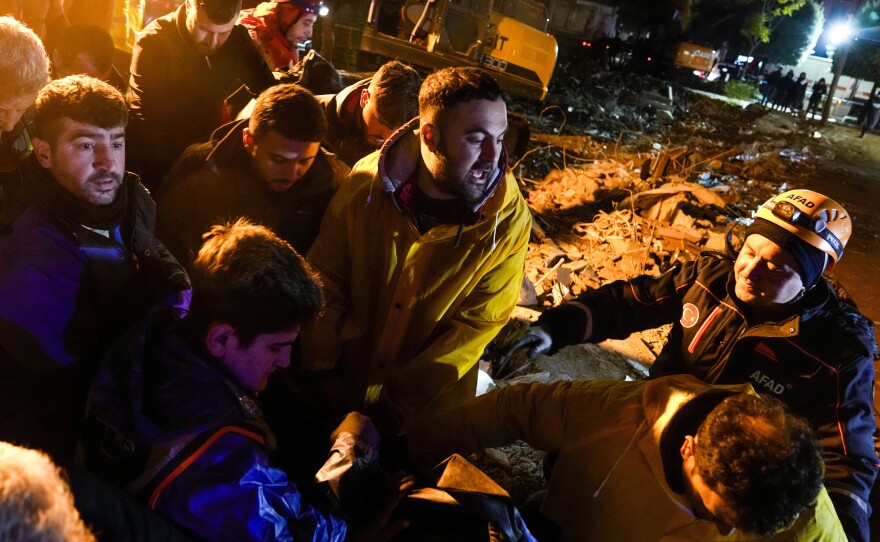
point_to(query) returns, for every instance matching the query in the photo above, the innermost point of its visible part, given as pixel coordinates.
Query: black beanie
(810, 259)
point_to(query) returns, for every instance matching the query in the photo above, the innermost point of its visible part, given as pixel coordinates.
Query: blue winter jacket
(66, 294)
(174, 427)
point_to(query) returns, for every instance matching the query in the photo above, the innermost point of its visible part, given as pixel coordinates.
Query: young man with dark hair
(766, 317)
(251, 280)
(364, 115)
(269, 168)
(86, 49)
(80, 266)
(176, 406)
(764, 464)
(24, 69)
(671, 458)
(184, 65)
(79, 100)
(421, 277)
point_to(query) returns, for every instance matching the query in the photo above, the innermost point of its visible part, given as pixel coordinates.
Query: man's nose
(295, 171)
(212, 40)
(491, 151)
(8, 120)
(753, 269)
(283, 360)
(104, 158)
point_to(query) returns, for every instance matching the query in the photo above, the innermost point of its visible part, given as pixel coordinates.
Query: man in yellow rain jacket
(421, 253)
(669, 460)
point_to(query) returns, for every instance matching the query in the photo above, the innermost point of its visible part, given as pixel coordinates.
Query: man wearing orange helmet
(279, 28)
(767, 318)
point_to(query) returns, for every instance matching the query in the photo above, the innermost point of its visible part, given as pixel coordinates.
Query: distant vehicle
(508, 37)
(708, 64)
(581, 21)
(696, 57)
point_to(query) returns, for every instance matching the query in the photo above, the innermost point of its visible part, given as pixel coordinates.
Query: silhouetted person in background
(86, 49)
(815, 103)
(872, 112)
(796, 99)
(771, 83)
(784, 90)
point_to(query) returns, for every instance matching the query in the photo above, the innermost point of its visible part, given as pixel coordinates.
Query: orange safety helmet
(817, 220)
(288, 12)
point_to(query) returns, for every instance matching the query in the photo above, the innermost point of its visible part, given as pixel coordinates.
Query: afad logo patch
(690, 315)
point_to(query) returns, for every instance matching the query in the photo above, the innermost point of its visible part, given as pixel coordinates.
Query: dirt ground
(853, 177)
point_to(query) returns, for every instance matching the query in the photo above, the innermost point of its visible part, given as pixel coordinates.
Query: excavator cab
(456, 27)
(507, 37)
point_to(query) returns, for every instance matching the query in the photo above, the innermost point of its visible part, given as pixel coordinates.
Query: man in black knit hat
(767, 318)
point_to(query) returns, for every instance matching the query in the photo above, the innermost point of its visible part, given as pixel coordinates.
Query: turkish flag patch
(690, 315)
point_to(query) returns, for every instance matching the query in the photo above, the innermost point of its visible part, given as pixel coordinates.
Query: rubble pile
(610, 220)
(518, 468)
(604, 104)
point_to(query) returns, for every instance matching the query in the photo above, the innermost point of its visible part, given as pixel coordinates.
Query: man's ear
(219, 339)
(687, 447)
(247, 139)
(365, 97)
(429, 135)
(43, 152)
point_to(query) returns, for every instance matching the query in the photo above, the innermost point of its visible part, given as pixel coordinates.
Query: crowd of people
(785, 93)
(261, 325)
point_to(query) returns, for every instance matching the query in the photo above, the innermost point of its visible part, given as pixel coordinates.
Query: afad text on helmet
(801, 199)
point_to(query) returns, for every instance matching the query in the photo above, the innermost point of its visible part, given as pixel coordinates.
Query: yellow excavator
(508, 37)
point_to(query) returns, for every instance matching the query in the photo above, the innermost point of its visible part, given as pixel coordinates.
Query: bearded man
(419, 279)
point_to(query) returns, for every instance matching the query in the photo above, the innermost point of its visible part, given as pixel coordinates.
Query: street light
(840, 32)
(838, 35)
